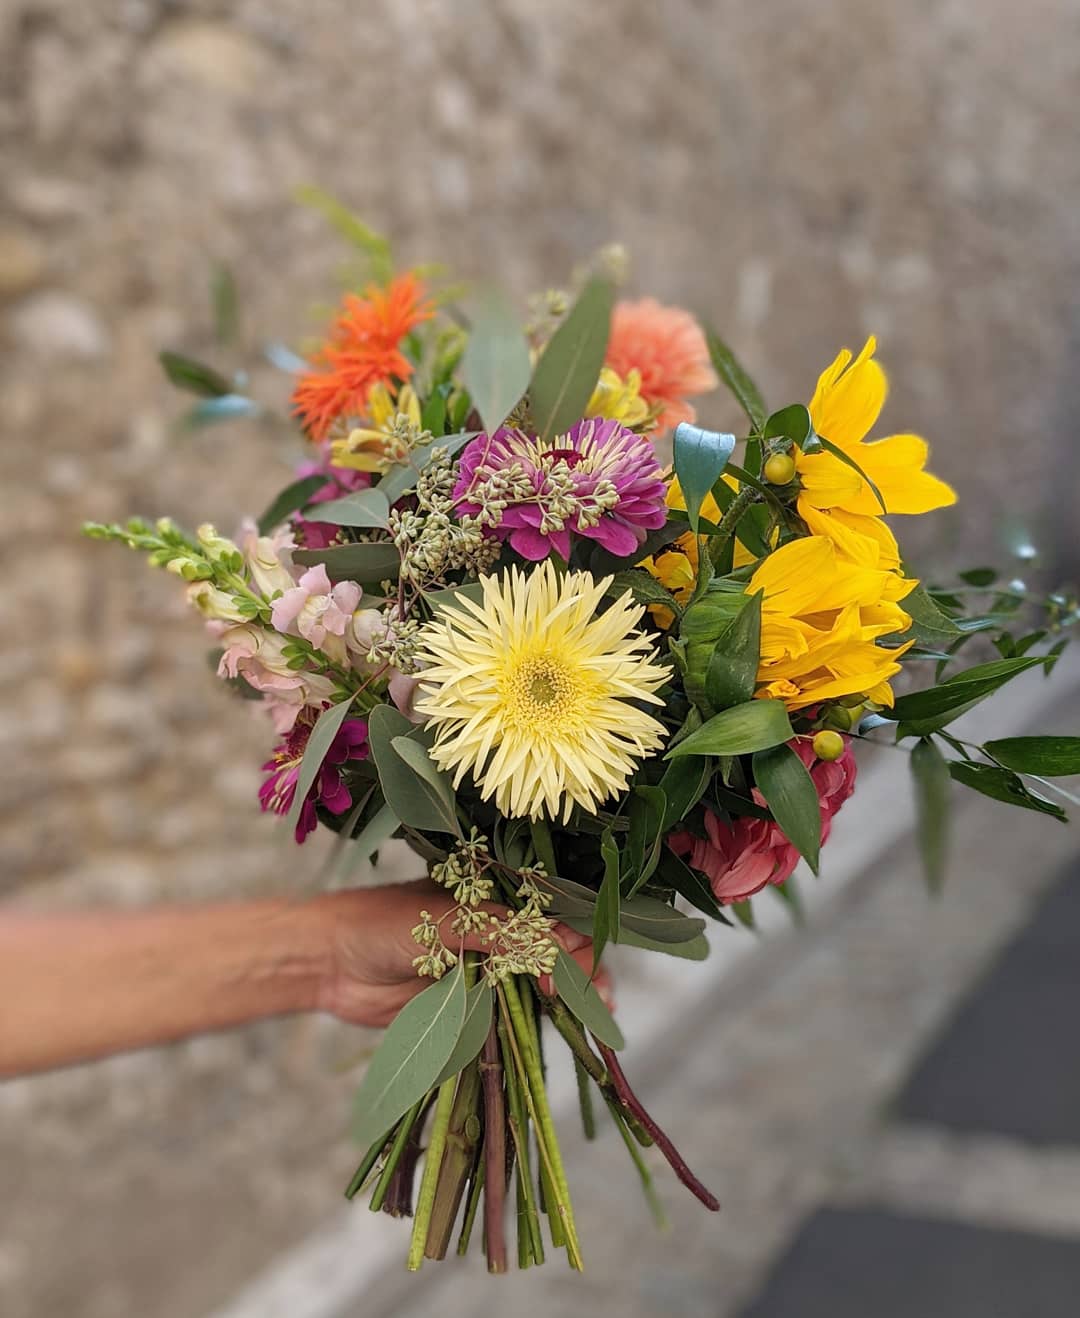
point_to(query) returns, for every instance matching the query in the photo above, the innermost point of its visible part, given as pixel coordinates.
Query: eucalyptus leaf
(569, 367)
(368, 563)
(352, 229)
(496, 367)
(414, 800)
(1049, 757)
(379, 829)
(789, 791)
(731, 371)
(582, 999)
(412, 1055)
(361, 508)
(930, 775)
(479, 1009)
(213, 411)
(606, 914)
(753, 726)
(193, 376)
(700, 457)
(321, 739)
(440, 794)
(291, 499)
(225, 303)
(693, 948)
(471, 590)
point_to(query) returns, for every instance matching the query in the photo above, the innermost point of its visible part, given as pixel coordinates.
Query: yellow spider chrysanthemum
(821, 615)
(834, 499)
(531, 691)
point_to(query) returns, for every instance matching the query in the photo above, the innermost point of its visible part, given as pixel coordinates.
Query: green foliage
(689, 884)
(731, 371)
(291, 499)
(401, 478)
(754, 726)
(417, 792)
(731, 674)
(569, 367)
(496, 367)
(1002, 785)
(411, 1057)
(923, 712)
(683, 785)
(581, 998)
(700, 457)
(792, 423)
(366, 508)
(787, 787)
(225, 304)
(930, 777)
(479, 1011)
(645, 815)
(366, 563)
(606, 915)
(1049, 757)
(353, 229)
(193, 376)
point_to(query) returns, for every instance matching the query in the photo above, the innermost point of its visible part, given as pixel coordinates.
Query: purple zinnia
(599, 480)
(283, 769)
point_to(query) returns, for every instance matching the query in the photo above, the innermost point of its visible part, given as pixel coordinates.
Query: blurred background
(799, 176)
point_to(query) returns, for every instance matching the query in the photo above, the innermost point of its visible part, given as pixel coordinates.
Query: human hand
(369, 973)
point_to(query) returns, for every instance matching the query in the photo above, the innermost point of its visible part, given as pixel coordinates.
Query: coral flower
(739, 857)
(821, 615)
(599, 480)
(283, 769)
(535, 691)
(362, 349)
(667, 349)
(834, 499)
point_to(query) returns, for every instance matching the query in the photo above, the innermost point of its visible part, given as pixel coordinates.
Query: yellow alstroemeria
(821, 615)
(835, 501)
(371, 447)
(619, 399)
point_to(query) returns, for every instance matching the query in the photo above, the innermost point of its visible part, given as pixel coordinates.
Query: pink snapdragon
(256, 654)
(741, 856)
(318, 611)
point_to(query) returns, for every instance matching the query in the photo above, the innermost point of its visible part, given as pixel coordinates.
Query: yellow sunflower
(530, 691)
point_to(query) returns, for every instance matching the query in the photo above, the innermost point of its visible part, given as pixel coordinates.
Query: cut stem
(462, 1138)
(393, 1158)
(516, 1086)
(630, 1103)
(472, 1203)
(584, 1093)
(491, 1077)
(426, 1200)
(660, 1217)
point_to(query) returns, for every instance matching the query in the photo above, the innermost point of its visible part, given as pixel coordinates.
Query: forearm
(74, 987)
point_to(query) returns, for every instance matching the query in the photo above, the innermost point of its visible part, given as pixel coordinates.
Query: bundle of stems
(491, 1139)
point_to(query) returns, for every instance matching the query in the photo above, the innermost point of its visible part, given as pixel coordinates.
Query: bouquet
(595, 664)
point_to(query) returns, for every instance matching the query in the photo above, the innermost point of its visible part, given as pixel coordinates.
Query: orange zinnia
(666, 347)
(363, 349)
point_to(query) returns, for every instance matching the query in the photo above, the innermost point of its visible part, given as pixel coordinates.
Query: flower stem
(426, 1200)
(535, 1095)
(725, 528)
(462, 1137)
(491, 1077)
(629, 1102)
(476, 1188)
(516, 1086)
(543, 845)
(660, 1217)
(393, 1158)
(584, 1093)
(363, 1171)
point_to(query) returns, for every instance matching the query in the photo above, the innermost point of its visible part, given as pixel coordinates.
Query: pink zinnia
(666, 347)
(741, 857)
(599, 480)
(283, 769)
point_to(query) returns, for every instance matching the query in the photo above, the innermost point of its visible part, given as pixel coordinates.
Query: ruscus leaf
(700, 457)
(789, 791)
(753, 726)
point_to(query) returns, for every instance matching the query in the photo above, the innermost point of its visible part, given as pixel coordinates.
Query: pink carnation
(741, 857)
(666, 347)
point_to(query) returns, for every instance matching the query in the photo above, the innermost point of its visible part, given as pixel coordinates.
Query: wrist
(299, 954)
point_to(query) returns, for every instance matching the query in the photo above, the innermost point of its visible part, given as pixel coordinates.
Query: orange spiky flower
(362, 349)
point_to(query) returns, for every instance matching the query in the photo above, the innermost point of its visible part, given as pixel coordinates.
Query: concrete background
(799, 175)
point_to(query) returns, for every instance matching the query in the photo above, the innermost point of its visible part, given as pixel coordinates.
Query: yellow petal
(826, 481)
(895, 465)
(849, 397)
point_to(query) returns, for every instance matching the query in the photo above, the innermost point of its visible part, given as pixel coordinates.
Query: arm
(79, 986)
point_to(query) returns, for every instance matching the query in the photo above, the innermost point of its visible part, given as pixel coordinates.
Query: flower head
(619, 399)
(283, 769)
(530, 691)
(742, 855)
(821, 615)
(666, 347)
(317, 610)
(257, 655)
(363, 349)
(393, 431)
(599, 480)
(834, 499)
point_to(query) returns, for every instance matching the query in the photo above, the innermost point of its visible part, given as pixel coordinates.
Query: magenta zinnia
(598, 480)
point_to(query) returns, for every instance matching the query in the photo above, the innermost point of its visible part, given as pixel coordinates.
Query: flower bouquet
(597, 666)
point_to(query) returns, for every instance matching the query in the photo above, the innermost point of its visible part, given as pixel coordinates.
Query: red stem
(494, 1153)
(629, 1100)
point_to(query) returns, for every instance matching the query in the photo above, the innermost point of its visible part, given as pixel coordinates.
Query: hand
(370, 974)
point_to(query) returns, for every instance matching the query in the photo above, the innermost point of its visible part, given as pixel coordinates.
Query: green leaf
(402, 477)
(569, 368)
(683, 785)
(582, 999)
(368, 563)
(785, 783)
(291, 499)
(601, 562)
(732, 672)
(929, 625)
(1050, 757)
(648, 807)
(923, 712)
(730, 370)
(351, 228)
(412, 798)
(193, 376)
(496, 367)
(689, 884)
(214, 411)
(754, 726)
(471, 590)
(744, 913)
(700, 457)
(979, 576)
(479, 1009)
(322, 735)
(695, 948)
(431, 804)
(645, 589)
(605, 924)
(224, 302)
(930, 774)
(380, 828)
(411, 1057)
(1002, 785)
(792, 423)
(361, 508)
(657, 920)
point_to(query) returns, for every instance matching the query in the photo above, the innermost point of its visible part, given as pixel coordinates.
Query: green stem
(536, 1099)
(547, 1197)
(401, 1138)
(462, 1138)
(426, 1201)
(660, 1217)
(472, 1204)
(543, 845)
(725, 528)
(528, 1217)
(584, 1093)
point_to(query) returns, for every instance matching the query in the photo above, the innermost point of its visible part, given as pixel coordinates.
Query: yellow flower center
(542, 694)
